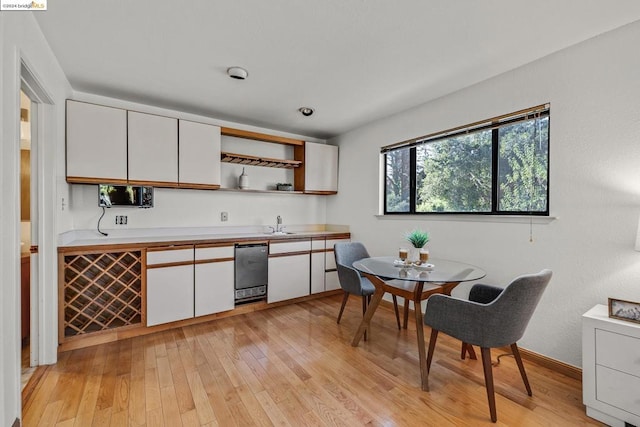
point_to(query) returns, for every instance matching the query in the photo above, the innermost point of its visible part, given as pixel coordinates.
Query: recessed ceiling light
(237, 73)
(306, 111)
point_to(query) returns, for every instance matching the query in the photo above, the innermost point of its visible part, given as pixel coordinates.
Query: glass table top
(436, 270)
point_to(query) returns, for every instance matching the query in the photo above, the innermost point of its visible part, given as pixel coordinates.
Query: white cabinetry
(324, 275)
(320, 168)
(317, 265)
(96, 143)
(199, 155)
(289, 266)
(610, 368)
(214, 279)
(331, 272)
(169, 284)
(153, 149)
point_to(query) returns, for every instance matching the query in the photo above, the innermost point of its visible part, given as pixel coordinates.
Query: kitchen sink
(280, 233)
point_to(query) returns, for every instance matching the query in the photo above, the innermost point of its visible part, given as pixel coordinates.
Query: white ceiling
(354, 61)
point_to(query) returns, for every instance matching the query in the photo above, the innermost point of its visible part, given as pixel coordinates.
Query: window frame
(494, 124)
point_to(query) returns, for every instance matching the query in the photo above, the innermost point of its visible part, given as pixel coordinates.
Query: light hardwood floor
(290, 366)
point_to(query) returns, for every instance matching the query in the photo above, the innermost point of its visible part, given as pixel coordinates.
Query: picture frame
(624, 310)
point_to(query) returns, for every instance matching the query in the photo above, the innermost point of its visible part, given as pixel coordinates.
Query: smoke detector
(238, 73)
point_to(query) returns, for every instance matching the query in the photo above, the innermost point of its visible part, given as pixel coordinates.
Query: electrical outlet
(121, 219)
(224, 216)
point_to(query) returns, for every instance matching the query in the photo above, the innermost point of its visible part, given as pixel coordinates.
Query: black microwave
(136, 196)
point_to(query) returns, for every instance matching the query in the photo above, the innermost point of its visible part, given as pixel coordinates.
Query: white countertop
(76, 238)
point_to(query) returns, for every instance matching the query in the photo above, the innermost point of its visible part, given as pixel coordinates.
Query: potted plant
(418, 239)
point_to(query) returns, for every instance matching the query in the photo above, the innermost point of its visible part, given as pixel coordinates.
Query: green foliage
(398, 181)
(522, 167)
(418, 238)
(455, 174)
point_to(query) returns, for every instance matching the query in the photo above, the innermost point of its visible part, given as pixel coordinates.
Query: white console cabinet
(611, 368)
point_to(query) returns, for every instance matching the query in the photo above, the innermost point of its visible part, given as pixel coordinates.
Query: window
(499, 166)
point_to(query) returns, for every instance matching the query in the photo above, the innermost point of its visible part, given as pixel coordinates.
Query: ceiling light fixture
(306, 111)
(237, 73)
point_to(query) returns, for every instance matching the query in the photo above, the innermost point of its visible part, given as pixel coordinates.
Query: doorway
(28, 217)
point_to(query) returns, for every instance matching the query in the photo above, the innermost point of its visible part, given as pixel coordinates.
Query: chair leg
(467, 348)
(344, 303)
(516, 355)
(432, 346)
(406, 313)
(395, 308)
(488, 381)
(365, 303)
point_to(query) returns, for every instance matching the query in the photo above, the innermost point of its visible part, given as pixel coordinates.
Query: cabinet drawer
(185, 254)
(618, 389)
(618, 351)
(284, 247)
(214, 253)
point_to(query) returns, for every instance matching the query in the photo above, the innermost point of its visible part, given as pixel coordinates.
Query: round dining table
(414, 283)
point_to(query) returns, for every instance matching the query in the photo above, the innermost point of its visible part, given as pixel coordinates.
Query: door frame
(41, 103)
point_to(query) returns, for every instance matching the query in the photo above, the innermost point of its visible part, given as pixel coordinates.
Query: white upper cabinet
(320, 168)
(199, 155)
(153, 149)
(96, 143)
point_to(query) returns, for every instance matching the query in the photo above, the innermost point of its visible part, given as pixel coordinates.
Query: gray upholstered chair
(351, 281)
(499, 320)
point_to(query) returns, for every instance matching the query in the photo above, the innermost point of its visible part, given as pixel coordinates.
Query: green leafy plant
(417, 238)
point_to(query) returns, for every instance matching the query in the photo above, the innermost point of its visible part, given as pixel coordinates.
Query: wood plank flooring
(290, 366)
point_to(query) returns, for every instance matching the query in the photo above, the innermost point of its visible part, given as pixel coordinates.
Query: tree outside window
(499, 168)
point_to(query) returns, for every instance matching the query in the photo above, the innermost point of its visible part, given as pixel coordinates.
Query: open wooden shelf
(245, 159)
(249, 190)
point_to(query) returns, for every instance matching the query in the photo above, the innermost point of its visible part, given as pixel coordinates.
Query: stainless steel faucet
(279, 224)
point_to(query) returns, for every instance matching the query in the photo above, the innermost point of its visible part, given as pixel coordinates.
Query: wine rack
(101, 291)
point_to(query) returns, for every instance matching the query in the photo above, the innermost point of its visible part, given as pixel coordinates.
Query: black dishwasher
(251, 272)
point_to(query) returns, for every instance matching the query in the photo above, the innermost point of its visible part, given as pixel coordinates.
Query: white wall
(594, 92)
(21, 39)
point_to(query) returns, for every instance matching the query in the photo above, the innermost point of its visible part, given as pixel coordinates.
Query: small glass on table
(403, 253)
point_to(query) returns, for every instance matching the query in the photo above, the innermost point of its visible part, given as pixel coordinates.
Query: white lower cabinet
(331, 281)
(289, 270)
(317, 266)
(610, 368)
(169, 294)
(183, 282)
(214, 277)
(324, 275)
(190, 281)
